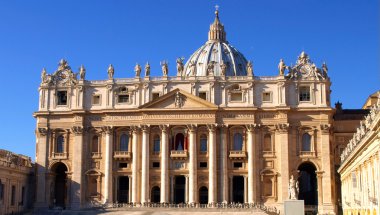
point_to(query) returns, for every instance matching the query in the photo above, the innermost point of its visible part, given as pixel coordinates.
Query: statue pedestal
(294, 207)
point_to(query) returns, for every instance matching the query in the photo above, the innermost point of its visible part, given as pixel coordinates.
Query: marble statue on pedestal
(293, 188)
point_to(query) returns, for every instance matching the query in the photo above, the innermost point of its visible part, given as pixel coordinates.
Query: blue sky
(37, 34)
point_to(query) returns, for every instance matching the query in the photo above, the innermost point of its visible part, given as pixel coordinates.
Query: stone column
(224, 163)
(212, 190)
(187, 189)
(135, 170)
(77, 179)
(282, 139)
(145, 165)
(251, 158)
(108, 164)
(192, 164)
(164, 164)
(326, 166)
(42, 135)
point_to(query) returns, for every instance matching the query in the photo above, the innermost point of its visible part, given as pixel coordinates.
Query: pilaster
(42, 136)
(281, 137)
(77, 188)
(108, 130)
(326, 167)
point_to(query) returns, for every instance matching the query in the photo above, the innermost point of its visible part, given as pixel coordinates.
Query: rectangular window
(62, 97)
(238, 165)
(13, 195)
(304, 94)
(202, 164)
(96, 99)
(156, 164)
(155, 96)
(123, 165)
(236, 97)
(202, 95)
(267, 97)
(123, 98)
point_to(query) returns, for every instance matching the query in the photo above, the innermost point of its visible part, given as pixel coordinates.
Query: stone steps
(156, 211)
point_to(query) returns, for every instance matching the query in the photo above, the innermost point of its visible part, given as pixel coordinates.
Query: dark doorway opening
(179, 189)
(155, 195)
(123, 196)
(308, 184)
(60, 188)
(203, 195)
(238, 189)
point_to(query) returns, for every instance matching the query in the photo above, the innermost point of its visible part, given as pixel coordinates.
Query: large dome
(217, 52)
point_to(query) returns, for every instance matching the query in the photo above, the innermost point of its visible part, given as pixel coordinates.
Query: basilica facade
(215, 132)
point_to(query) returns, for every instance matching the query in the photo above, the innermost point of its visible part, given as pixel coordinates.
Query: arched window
(203, 141)
(306, 142)
(124, 141)
(238, 142)
(95, 144)
(267, 143)
(156, 143)
(60, 144)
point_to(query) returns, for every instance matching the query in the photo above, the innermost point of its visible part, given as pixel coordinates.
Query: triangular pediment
(178, 99)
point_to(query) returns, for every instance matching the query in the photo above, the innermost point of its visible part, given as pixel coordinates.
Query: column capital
(164, 128)
(319, 173)
(252, 127)
(107, 129)
(42, 131)
(77, 130)
(145, 128)
(211, 127)
(192, 127)
(282, 127)
(325, 128)
(135, 128)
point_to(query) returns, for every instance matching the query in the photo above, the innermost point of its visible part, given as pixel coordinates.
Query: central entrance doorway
(238, 189)
(179, 189)
(308, 190)
(123, 196)
(60, 187)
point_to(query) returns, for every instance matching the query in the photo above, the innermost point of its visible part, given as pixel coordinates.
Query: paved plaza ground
(157, 211)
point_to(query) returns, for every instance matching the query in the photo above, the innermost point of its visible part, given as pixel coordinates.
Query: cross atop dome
(217, 32)
(217, 11)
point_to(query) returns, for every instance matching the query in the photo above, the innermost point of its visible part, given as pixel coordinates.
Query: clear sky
(37, 34)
